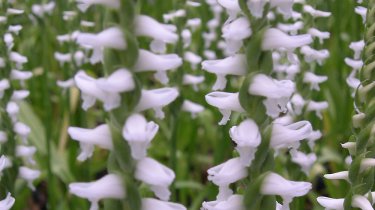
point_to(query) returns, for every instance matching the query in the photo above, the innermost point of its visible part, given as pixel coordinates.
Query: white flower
(304, 160)
(19, 95)
(331, 203)
(100, 136)
(194, 80)
(256, 7)
(139, 133)
(17, 58)
(297, 103)
(90, 91)
(12, 11)
(194, 23)
(234, 202)
(285, 7)
(158, 176)
(314, 80)
(27, 152)
(20, 75)
(15, 29)
(193, 59)
(357, 47)
(232, 7)
(174, 14)
(236, 31)
(318, 107)
(312, 55)
(319, 34)
(109, 186)
(156, 99)
(3, 137)
(186, 37)
(66, 84)
(22, 130)
(361, 202)
(12, 109)
(83, 5)
(41, 9)
(314, 136)
(315, 13)
(7, 203)
(277, 39)
(277, 93)
(292, 28)
(86, 23)
(355, 64)
(109, 38)
(148, 61)
(362, 11)
(284, 136)
(119, 81)
(152, 204)
(226, 103)
(4, 163)
(4, 84)
(233, 65)
(247, 137)
(160, 33)
(275, 184)
(192, 107)
(29, 175)
(338, 175)
(225, 174)
(63, 58)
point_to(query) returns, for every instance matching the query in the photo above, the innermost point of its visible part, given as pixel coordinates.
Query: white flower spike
(158, 176)
(247, 137)
(109, 186)
(139, 133)
(100, 136)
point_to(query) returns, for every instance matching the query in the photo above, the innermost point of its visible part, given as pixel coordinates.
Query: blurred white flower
(148, 61)
(109, 38)
(22, 130)
(27, 152)
(66, 84)
(193, 59)
(192, 107)
(247, 137)
(110, 186)
(355, 64)
(315, 13)
(29, 175)
(19, 95)
(234, 202)
(256, 7)
(193, 80)
(100, 136)
(344, 175)
(4, 163)
(317, 107)
(152, 204)
(291, 28)
(4, 84)
(357, 47)
(90, 91)
(158, 176)
(233, 65)
(362, 11)
(314, 80)
(12, 109)
(234, 32)
(20, 75)
(7, 203)
(226, 103)
(41, 9)
(119, 81)
(139, 133)
(160, 33)
(361, 202)
(83, 5)
(274, 184)
(232, 7)
(319, 34)
(276, 92)
(156, 99)
(306, 161)
(285, 136)
(312, 55)
(331, 203)
(225, 174)
(285, 7)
